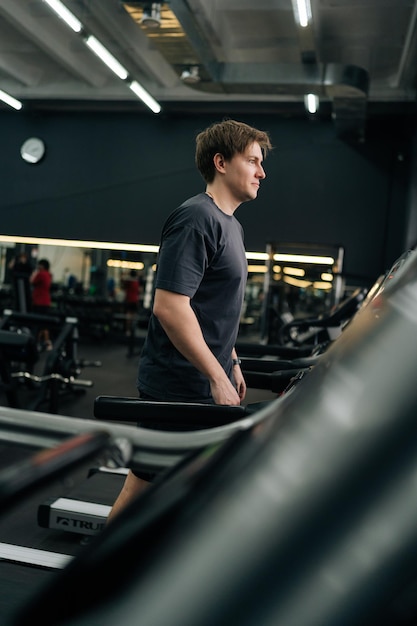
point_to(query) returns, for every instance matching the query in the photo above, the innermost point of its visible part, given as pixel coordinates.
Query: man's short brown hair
(228, 138)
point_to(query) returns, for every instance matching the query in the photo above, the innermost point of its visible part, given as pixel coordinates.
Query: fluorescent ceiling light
(106, 57)
(297, 282)
(304, 258)
(311, 102)
(143, 95)
(327, 277)
(125, 265)
(257, 269)
(122, 73)
(322, 285)
(12, 102)
(98, 245)
(78, 243)
(304, 284)
(257, 256)
(302, 12)
(294, 271)
(62, 11)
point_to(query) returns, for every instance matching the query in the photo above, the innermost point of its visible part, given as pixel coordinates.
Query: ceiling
(356, 55)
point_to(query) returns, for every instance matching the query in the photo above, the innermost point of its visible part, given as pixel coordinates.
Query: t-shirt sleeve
(183, 259)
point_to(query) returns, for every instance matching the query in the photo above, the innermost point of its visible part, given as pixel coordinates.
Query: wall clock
(32, 150)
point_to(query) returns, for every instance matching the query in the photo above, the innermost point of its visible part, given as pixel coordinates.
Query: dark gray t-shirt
(202, 256)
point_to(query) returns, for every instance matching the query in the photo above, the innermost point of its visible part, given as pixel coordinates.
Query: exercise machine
(34, 380)
(307, 514)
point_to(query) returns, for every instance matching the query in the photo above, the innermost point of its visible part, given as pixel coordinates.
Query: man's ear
(218, 160)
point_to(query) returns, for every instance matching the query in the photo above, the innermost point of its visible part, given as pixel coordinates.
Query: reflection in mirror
(286, 280)
(88, 278)
(290, 281)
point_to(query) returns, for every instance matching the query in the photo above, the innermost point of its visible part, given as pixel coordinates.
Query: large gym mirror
(287, 279)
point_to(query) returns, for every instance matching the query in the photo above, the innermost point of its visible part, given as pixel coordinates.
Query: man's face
(244, 172)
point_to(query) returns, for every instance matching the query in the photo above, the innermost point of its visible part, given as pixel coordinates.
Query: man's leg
(132, 487)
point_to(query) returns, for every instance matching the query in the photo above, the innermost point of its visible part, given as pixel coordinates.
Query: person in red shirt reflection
(131, 287)
(41, 281)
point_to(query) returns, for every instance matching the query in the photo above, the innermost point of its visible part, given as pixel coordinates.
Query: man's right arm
(180, 323)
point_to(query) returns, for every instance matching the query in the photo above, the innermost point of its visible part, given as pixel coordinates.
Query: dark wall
(116, 176)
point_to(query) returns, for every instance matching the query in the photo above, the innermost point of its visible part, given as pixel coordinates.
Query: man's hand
(223, 392)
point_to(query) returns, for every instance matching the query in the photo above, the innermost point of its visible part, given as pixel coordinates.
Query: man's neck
(221, 200)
